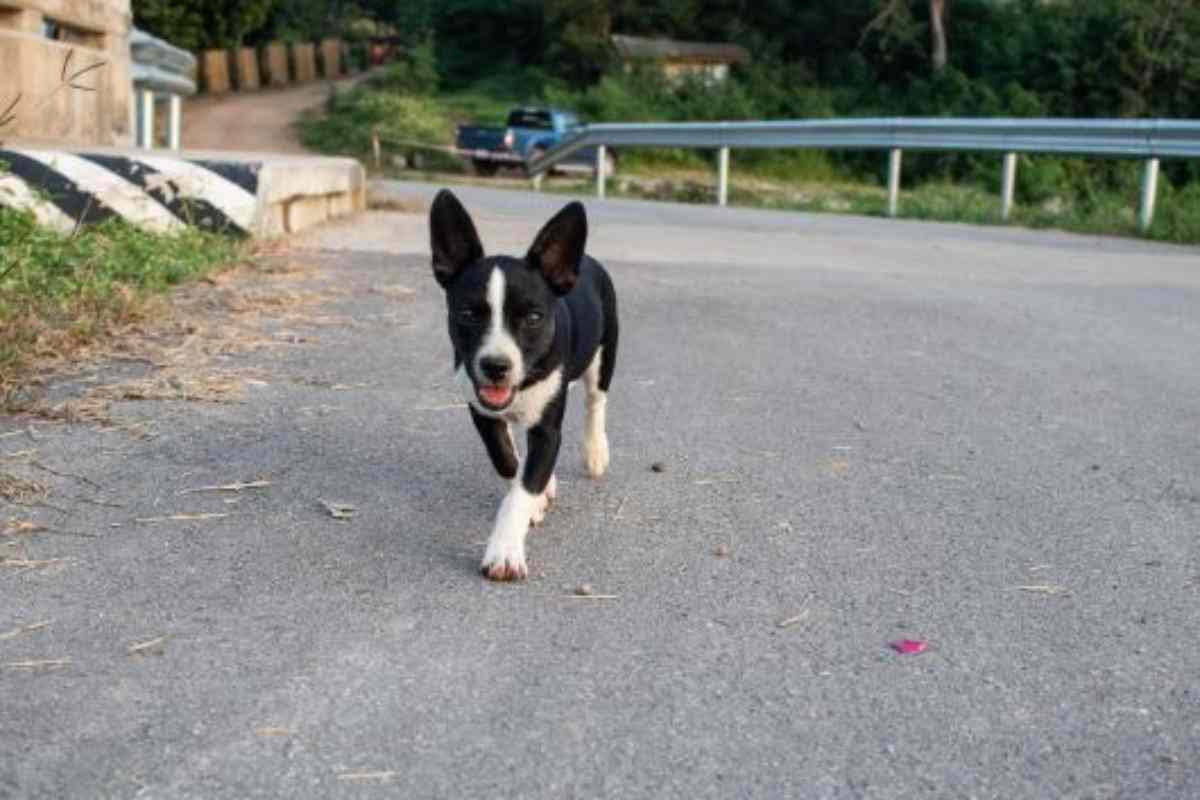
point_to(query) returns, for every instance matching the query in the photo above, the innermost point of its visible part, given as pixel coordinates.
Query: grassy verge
(61, 293)
(1177, 216)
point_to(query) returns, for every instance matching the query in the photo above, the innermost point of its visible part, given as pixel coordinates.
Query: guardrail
(1150, 140)
(158, 68)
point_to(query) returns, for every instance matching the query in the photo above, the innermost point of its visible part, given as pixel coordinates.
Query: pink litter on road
(909, 646)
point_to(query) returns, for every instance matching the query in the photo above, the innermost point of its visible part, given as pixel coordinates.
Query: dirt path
(254, 121)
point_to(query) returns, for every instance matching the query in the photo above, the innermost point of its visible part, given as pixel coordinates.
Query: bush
(351, 117)
(416, 74)
(1177, 217)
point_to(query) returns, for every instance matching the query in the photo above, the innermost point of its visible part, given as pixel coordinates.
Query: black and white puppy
(522, 330)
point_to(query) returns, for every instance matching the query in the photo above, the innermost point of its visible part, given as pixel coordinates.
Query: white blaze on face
(498, 341)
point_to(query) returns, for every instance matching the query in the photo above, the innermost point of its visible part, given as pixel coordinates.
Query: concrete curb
(255, 194)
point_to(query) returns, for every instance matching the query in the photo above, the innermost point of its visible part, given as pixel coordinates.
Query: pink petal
(909, 646)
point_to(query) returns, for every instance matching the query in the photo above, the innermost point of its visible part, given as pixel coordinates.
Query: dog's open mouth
(495, 397)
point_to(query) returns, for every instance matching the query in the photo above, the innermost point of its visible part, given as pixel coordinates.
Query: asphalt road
(984, 439)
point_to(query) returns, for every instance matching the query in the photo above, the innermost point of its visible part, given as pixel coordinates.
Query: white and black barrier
(156, 192)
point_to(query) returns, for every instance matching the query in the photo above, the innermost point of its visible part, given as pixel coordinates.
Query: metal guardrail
(159, 68)
(1150, 140)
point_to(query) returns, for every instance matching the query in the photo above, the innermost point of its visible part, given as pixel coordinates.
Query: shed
(708, 59)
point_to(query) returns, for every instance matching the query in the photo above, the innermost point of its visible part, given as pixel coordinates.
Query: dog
(523, 329)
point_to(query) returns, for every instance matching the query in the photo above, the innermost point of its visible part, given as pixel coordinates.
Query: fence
(159, 69)
(1149, 140)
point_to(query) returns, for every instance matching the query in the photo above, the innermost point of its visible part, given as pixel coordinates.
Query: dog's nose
(495, 368)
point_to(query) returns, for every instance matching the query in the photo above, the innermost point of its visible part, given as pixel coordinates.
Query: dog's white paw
(505, 561)
(595, 455)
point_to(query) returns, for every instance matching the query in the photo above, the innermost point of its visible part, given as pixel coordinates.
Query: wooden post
(1149, 194)
(375, 148)
(894, 180)
(723, 176)
(601, 151)
(1008, 185)
(174, 122)
(145, 133)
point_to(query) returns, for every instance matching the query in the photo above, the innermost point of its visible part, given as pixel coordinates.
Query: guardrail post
(145, 135)
(375, 149)
(722, 176)
(1149, 194)
(600, 171)
(894, 180)
(1008, 185)
(174, 121)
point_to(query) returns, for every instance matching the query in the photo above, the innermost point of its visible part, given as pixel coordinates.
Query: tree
(1159, 59)
(201, 24)
(895, 22)
(577, 35)
(937, 30)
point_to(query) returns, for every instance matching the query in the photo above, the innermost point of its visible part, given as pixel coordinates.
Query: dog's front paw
(595, 455)
(504, 562)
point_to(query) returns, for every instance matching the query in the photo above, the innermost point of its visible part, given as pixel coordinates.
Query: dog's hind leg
(595, 439)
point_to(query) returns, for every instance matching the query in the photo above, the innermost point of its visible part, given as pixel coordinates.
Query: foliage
(74, 287)
(415, 74)
(350, 118)
(202, 24)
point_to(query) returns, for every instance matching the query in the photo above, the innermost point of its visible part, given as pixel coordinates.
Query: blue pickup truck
(529, 133)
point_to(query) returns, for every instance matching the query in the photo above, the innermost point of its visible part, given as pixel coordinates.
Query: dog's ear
(453, 239)
(558, 248)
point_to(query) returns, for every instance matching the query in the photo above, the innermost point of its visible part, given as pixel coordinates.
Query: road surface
(978, 438)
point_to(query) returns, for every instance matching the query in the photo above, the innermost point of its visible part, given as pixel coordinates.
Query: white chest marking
(526, 408)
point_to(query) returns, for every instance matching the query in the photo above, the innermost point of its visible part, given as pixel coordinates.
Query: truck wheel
(484, 169)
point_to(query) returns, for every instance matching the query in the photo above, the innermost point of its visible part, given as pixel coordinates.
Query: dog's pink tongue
(495, 395)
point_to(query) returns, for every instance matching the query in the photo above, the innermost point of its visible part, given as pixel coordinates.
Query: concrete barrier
(214, 70)
(305, 62)
(275, 62)
(251, 194)
(247, 69)
(40, 41)
(331, 58)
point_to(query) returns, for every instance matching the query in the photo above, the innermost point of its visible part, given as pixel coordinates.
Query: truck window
(539, 120)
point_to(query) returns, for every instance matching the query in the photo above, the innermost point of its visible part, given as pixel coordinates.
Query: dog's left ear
(558, 248)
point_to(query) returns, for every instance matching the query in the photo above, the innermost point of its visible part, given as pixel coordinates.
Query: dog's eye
(534, 318)
(470, 315)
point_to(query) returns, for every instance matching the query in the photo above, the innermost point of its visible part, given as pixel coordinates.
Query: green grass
(1177, 217)
(58, 293)
(345, 125)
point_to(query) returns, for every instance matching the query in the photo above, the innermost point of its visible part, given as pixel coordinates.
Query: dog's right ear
(453, 239)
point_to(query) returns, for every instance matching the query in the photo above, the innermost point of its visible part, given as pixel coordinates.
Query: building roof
(631, 47)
